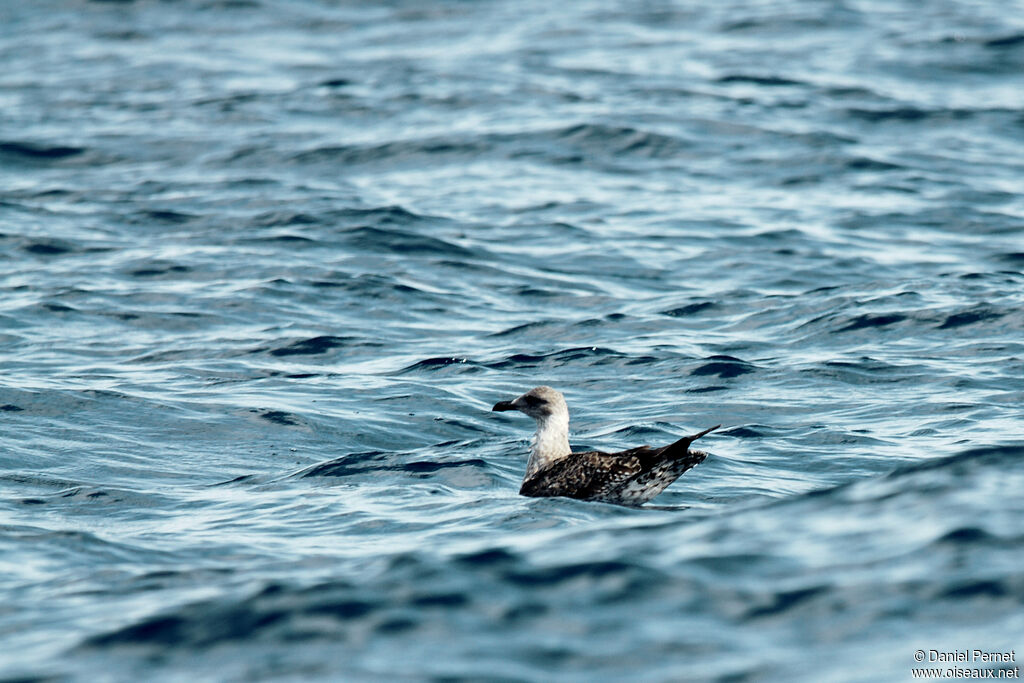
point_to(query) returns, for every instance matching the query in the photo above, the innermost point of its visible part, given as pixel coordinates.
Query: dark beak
(503, 405)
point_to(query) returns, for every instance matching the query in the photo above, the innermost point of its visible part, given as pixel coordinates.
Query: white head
(546, 406)
(540, 403)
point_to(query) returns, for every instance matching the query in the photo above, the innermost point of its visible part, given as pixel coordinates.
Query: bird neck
(550, 443)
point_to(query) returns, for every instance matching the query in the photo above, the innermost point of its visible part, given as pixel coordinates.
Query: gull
(629, 477)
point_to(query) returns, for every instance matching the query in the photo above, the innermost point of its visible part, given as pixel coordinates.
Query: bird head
(540, 403)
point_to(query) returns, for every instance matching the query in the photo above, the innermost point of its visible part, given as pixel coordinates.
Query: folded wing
(629, 477)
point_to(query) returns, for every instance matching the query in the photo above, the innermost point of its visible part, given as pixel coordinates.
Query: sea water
(265, 266)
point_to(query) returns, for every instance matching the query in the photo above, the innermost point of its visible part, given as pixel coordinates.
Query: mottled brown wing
(588, 475)
(597, 475)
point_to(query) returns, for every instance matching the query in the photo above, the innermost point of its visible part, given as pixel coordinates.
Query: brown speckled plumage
(630, 477)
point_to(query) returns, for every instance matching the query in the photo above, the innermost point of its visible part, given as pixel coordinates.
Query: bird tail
(684, 443)
(700, 434)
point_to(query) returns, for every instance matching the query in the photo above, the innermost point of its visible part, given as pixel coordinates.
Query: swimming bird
(630, 477)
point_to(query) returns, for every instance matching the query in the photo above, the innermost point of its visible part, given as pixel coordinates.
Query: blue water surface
(266, 265)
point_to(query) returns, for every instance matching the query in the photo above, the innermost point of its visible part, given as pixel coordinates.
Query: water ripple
(265, 272)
